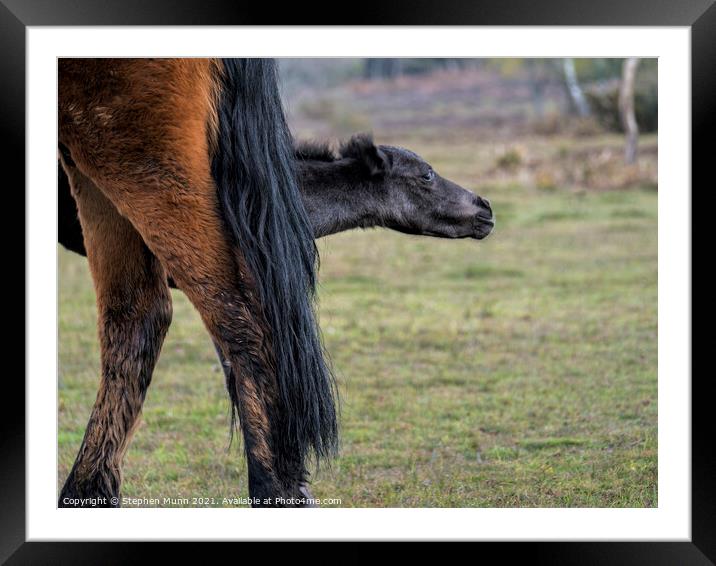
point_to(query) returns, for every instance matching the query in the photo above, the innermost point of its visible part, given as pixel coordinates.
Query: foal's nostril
(484, 203)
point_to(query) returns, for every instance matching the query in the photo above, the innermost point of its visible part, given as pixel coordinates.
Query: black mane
(354, 148)
(315, 151)
(260, 199)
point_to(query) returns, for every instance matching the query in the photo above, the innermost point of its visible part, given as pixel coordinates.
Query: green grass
(517, 371)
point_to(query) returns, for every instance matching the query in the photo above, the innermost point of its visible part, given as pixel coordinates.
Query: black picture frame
(16, 15)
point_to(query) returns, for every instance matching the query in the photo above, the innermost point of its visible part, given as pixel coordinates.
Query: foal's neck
(338, 197)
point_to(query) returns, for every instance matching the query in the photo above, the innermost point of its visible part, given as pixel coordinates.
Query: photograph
(409, 275)
(357, 282)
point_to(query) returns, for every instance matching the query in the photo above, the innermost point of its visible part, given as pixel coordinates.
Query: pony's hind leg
(152, 128)
(205, 267)
(134, 313)
(260, 476)
(184, 230)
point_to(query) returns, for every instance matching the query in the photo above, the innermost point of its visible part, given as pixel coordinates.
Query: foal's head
(418, 200)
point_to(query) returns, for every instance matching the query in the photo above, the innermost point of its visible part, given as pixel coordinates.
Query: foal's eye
(429, 176)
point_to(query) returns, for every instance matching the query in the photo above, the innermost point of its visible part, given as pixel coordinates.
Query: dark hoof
(306, 493)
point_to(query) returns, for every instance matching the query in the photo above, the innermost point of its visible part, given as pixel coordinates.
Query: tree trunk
(626, 108)
(538, 82)
(382, 68)
(575, 90)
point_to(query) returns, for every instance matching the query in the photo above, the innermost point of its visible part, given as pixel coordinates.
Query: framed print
(502, 352)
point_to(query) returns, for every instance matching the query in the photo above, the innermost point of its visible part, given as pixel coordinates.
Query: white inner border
(671, 520)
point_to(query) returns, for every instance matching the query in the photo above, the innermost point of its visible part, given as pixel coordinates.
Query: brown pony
(185, 168)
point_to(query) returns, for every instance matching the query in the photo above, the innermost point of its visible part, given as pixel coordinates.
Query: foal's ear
(362, 148)
(376, 161)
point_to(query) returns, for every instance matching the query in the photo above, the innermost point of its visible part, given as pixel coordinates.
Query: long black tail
(254, 170)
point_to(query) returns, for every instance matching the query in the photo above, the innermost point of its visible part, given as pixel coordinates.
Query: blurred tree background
(548, 122)
(548, 82)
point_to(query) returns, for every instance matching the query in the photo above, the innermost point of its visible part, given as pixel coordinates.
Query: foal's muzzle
(484, 220)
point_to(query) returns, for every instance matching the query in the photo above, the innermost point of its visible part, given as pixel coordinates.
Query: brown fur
(132, 297)
(141, 134)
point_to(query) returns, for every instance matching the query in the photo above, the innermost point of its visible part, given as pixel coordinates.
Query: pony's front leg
(134, 313)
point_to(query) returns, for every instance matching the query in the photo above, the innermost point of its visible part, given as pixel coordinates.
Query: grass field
(520, 371)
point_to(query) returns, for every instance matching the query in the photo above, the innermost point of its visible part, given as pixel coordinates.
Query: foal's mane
(313, 150)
